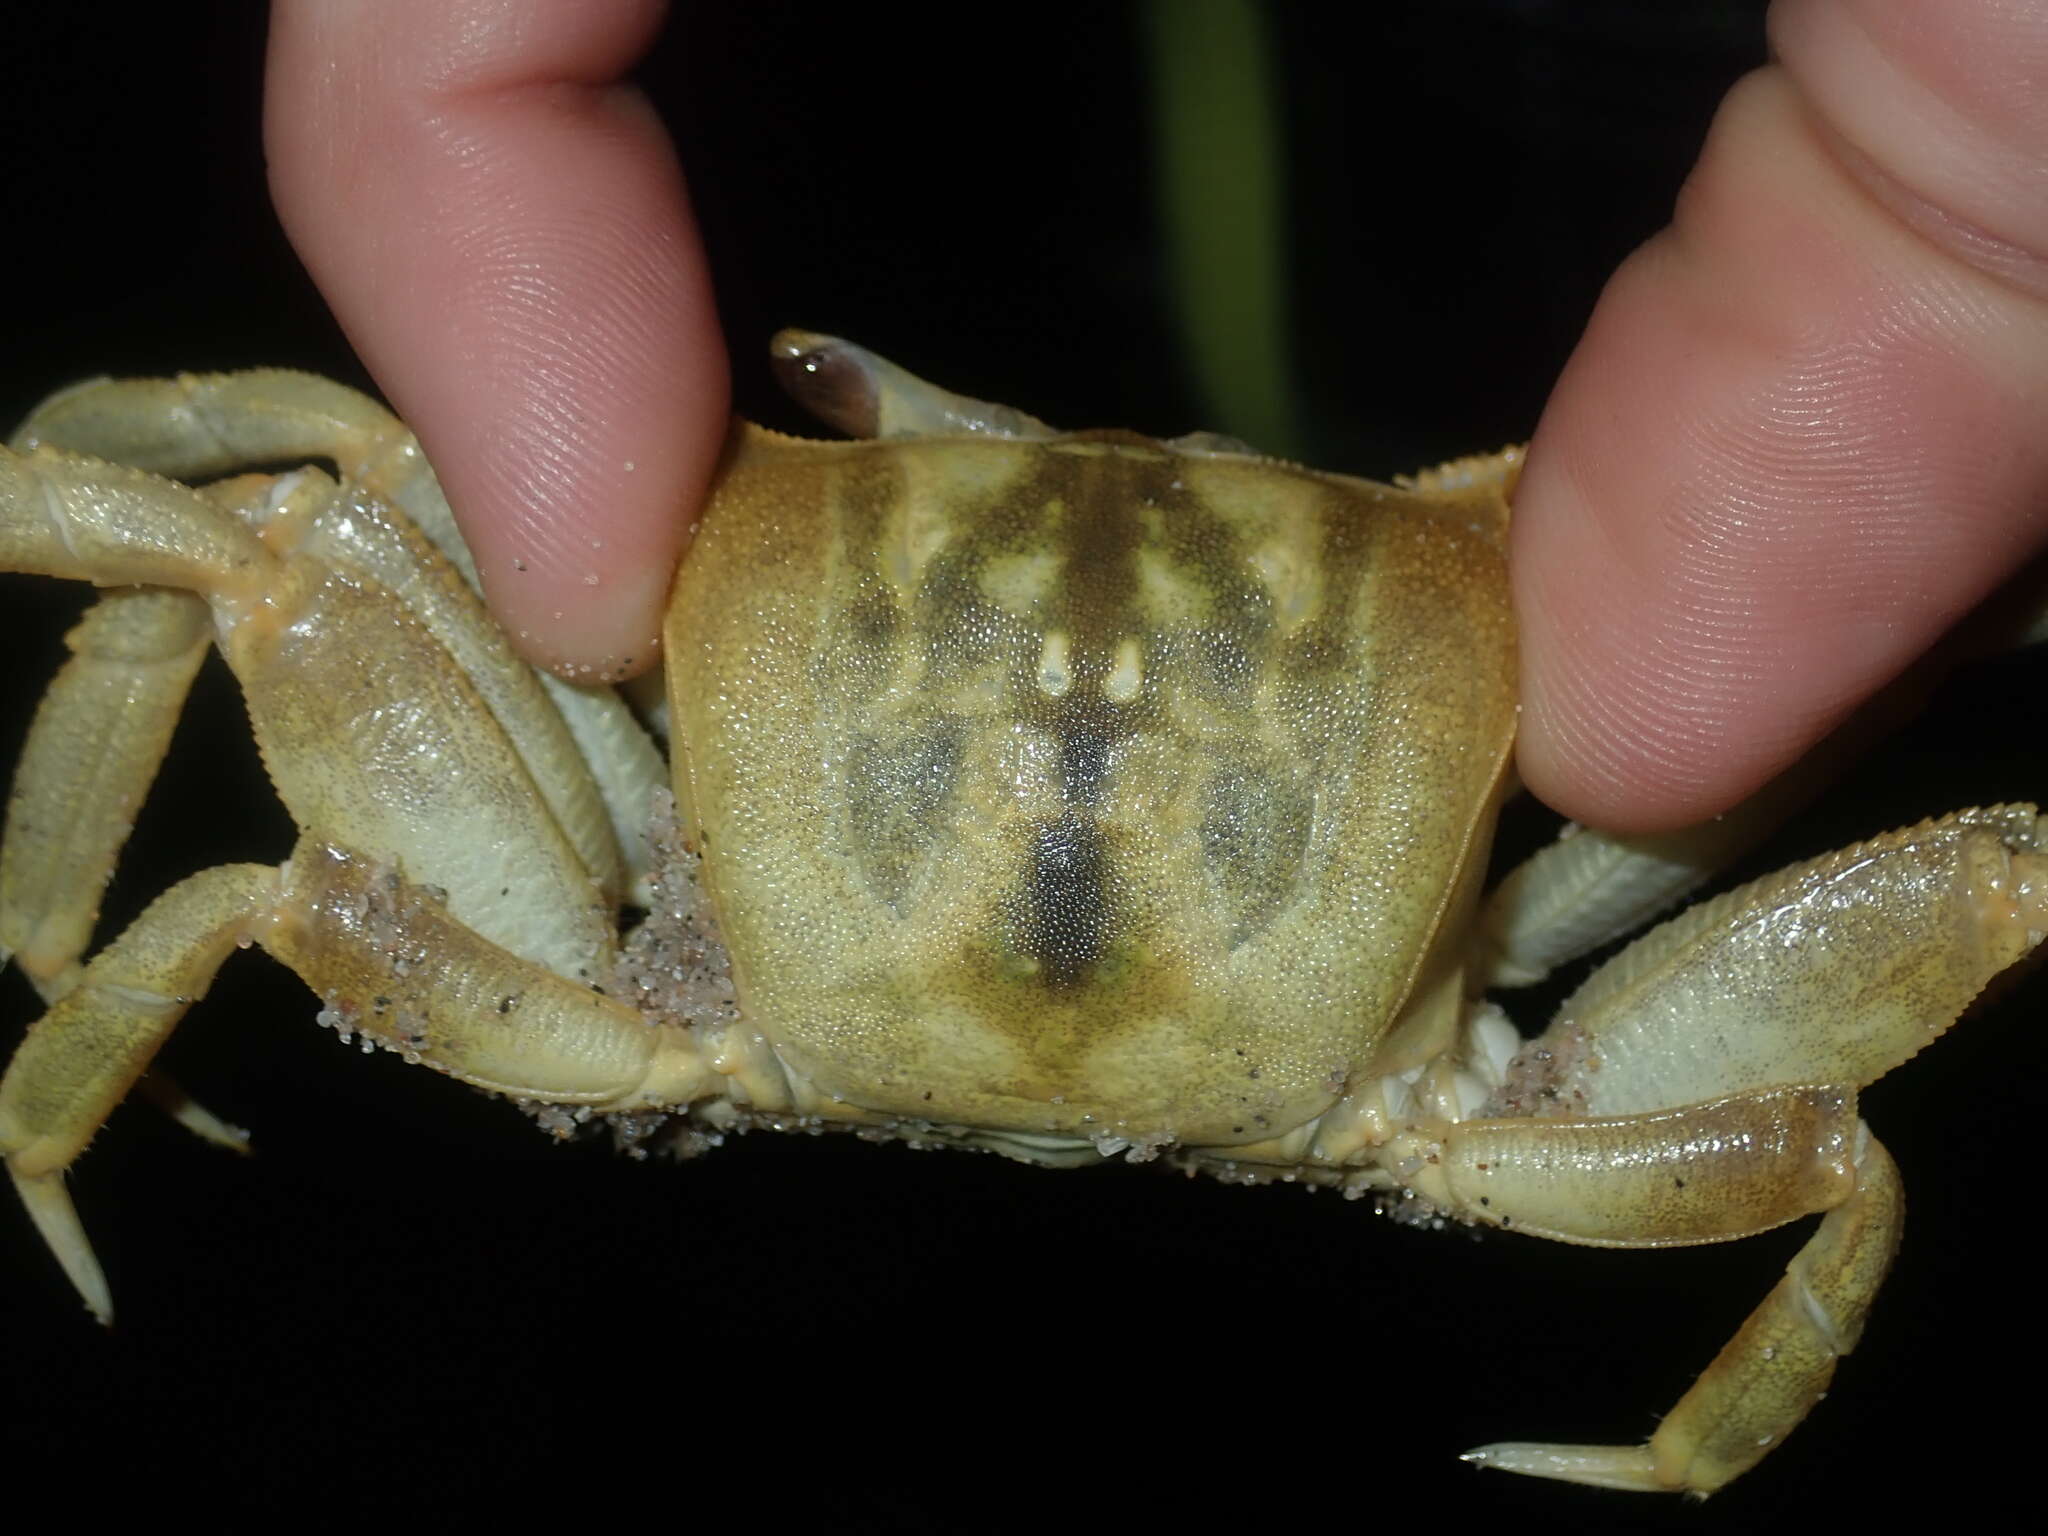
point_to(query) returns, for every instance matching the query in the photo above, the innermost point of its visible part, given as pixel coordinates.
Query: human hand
(502, 230)
(1804, 431)
(1798, 440)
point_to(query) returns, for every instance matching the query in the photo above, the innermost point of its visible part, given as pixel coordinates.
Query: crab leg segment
(1829, 973)
(199, 425)
(63, 515)
(1770, 1375)
(395, 966)
(83, 1055)
(91, 754)
(327, 657)
(1832, 971)
(95, 746)
(1703, 1173)
(390, 962)
(1590, 887)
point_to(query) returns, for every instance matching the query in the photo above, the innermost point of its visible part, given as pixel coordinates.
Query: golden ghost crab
(1064, 795)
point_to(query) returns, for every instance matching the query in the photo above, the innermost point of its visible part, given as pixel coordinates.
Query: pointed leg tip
(194, 1116)
(1628, 1467)
(49, 1207)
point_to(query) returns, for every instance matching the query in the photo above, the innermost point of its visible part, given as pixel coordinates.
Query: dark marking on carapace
(1063, 906)
(1084, 757)
(1100, 512)
(900, 784)
(869, 623)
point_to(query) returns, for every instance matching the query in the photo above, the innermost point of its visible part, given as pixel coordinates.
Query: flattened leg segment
(1832, 971)
(393, 965)
(91, 755)
(196, 426)
(87, 520)
(1704, 1173)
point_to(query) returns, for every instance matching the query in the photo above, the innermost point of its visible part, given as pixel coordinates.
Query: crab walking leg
(85, 520)
(1703, 1173)
(200, 425)
(593, 762)
(92, 752)
(394, 965)
(1590, 887)
(1831, 972)
(612, 746)
(101, 731)
(1769, 1376)
(1777, 1367)
(95, 746)
(390, 962)
(81, 1057)
(588, 755)
(326, 658)
(218, 422)
(353, 531)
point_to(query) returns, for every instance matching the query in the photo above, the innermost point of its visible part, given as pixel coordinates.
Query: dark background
(409, 1298)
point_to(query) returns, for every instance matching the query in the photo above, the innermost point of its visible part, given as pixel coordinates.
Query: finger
(1802, 433)
(502, 230)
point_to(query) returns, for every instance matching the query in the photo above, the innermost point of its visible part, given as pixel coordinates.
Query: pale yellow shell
(1048, 784)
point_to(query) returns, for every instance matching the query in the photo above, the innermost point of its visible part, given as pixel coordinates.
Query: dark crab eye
(830, 378)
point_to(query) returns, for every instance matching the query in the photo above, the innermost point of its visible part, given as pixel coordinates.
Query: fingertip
(578, 485)
(1648, 644)
(1625, 724)
(576, 420)
(1794, 446)
(589, 629)
(504, 234)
